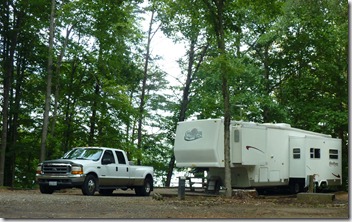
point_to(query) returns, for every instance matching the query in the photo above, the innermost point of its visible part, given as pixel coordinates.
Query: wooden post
(311, 184)
(181, 187)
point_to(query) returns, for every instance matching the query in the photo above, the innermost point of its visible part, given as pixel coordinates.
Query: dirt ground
(164, 204)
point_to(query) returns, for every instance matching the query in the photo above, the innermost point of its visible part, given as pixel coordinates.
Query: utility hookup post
(181, 187)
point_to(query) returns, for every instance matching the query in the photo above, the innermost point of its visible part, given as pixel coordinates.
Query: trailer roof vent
(277, 125)
(283, 125)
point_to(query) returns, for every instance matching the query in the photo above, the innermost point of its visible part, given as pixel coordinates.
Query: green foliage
(285, 61)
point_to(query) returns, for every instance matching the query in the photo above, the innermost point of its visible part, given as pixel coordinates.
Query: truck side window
(108, 157)
(120, 157)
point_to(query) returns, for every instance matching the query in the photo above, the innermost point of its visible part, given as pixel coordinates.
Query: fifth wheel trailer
(262, 155)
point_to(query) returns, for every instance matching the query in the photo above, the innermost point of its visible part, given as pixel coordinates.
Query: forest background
(82, 73)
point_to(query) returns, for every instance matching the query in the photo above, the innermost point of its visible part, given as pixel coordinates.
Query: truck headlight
(77, 170)
(39, 169)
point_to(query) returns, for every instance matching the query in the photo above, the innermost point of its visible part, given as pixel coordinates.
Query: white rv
(262, 155)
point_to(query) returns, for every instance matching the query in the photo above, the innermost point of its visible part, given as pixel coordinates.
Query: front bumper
(60, 181)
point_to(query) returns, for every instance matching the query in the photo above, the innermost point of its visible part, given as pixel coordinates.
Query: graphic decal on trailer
(193, 134)
(252, 147)
(338, 175)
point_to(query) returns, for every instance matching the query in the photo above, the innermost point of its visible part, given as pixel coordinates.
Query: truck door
(108, 169)
(123, 171)
(297, 158)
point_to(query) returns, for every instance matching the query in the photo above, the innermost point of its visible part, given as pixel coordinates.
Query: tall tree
(48, 82)
(182, 21)
(216, 17)
(10, 32)
(150, 36)
(314, 51)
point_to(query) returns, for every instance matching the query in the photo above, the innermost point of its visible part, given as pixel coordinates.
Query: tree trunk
(57, 75)
(69, 109)
(185, 97)
(219, 30)
(93, 117)
(144, 86)
(184, 105)
(13, 122)
(266, 109)
(9, 45)
(48, 82)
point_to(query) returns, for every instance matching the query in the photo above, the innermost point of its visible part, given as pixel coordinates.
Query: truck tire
(90, 185)
(46, 189)
(145, 189)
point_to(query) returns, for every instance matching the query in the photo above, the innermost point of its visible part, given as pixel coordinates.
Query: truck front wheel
(145, 189)
(46, 189)
(90, 185)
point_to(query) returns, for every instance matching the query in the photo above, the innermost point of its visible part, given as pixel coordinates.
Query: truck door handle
(117, 168)
(127, 169)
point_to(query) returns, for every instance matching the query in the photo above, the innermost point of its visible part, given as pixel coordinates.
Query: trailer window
(333, 154)
(315, 153)
(237, 136)
(296, 153)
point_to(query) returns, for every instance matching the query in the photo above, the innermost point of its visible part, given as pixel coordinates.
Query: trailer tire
(261, 191)
(217, 184)
(295, 187)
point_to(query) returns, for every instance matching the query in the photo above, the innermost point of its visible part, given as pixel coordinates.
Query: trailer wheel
(216, 188)
(261, 191)
(295, 187)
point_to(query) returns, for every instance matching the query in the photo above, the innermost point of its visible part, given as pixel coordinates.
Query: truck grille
(56, 168)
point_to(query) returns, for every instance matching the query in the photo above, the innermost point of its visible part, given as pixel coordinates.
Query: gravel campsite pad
(162, 203)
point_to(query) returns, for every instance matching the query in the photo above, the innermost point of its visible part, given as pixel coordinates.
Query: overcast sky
(164, 47)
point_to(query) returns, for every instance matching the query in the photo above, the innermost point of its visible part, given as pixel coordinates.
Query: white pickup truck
(94, 169)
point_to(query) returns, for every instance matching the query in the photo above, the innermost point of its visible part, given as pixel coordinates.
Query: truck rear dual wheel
(90, 185)
(145, 189)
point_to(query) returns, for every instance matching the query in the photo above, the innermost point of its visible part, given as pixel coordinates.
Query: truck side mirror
(106, 161)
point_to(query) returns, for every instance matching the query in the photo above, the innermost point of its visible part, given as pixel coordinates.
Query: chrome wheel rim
(147, 187)
(91, 186)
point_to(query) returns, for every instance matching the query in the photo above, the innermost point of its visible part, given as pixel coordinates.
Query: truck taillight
(39, 169)
(77, 170)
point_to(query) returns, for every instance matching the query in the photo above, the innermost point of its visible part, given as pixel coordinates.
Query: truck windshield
(83, 154)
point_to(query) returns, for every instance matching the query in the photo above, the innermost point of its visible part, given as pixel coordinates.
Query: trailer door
(235, 144)
(297, 167)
